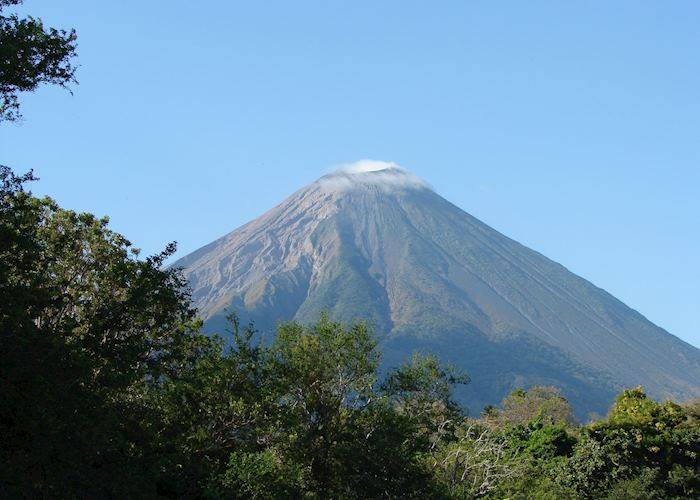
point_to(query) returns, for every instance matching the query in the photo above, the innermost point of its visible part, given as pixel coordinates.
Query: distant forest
(108, 388)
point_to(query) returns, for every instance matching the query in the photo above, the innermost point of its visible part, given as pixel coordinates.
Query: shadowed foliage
(31, 55)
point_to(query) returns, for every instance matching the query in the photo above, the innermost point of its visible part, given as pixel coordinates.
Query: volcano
(373, 241)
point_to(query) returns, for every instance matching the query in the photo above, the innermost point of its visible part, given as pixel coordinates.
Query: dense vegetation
(109, 390)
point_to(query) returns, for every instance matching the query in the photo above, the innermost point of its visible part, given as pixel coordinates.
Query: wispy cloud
(385, 175)
(362, 166)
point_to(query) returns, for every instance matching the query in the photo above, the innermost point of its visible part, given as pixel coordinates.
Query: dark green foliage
(422, 388)
(83, 326)
(31, 55)
(263, 474)
(541, 441)
(640, 439)
(327, 431)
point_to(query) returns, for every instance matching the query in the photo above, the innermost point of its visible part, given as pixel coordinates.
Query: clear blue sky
(572, 127)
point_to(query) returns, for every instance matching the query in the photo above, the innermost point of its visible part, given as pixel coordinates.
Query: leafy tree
(540, 403)
(540, 441)
(31, 55)
(302, 416)
(323, 375)
(84, 324)
(421, 389)
(265, 474)
(339, 428)
(641, 442)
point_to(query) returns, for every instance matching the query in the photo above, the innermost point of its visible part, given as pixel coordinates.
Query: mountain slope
(372, 241)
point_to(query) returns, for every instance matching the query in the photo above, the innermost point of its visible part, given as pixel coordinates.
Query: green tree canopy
(541, 403)
(84, 324)
(642, 444)
(31, 55)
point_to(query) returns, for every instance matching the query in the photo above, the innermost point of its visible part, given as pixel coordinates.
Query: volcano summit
(371, 240)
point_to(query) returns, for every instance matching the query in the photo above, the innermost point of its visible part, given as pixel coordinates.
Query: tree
(31, 55)
(476, 462)
(545, 404)
(85, 326)
(641, 444)
(326, 426)
(326, 373)
(421, 390)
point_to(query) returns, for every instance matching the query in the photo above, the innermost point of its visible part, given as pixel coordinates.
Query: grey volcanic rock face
(374, 242)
